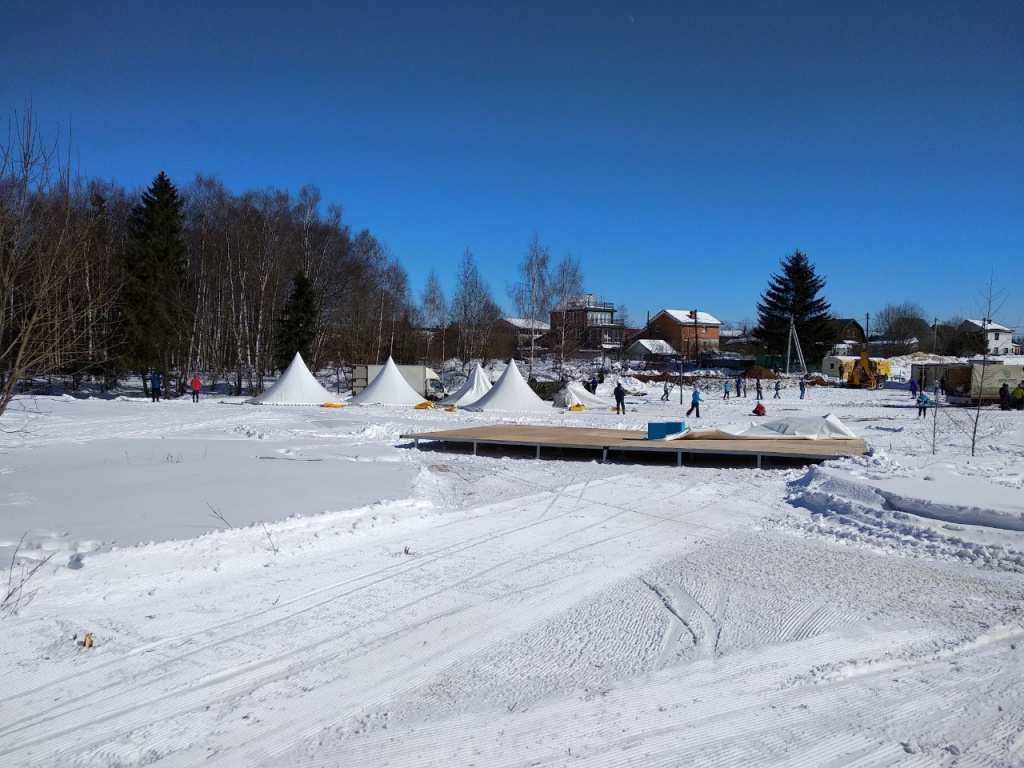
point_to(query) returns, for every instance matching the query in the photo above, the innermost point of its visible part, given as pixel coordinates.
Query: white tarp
(573, 393)
(795, 428)
(388, 387)
(510, 393)
(476, 386)
(295, 387)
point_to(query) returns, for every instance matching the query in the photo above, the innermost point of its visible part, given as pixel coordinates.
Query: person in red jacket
(197, 385)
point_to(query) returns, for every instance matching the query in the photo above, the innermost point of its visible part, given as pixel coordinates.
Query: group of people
(156, 382)
(1011, 400)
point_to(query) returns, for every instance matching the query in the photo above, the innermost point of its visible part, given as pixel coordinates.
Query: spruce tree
(296, 328)
(156, 263)
(795, 293)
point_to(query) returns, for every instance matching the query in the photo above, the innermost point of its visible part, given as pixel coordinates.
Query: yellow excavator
(867, 373)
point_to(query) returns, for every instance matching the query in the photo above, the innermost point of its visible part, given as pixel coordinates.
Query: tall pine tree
(296, 328)
(795, 293)
(156, 263)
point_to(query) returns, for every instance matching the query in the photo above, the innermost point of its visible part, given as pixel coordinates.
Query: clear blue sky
(679, 149)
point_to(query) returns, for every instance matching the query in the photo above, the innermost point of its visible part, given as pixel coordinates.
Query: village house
(513, 335)
(849, 335)
(688, 331)
(583, 323)
(999, 338)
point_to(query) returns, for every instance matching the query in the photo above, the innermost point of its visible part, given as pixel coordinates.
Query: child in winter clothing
(695, 400)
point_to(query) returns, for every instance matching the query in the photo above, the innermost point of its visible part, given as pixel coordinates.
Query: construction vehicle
(867, 373)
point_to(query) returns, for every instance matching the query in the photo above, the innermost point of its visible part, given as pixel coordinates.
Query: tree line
(97, 282)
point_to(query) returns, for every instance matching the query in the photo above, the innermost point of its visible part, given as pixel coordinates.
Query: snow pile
(949, 517)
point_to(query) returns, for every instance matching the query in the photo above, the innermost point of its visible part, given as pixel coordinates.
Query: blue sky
(678, 149)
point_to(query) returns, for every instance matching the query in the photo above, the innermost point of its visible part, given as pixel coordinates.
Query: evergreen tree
(795, 293)
(156, 262)
(296, 328)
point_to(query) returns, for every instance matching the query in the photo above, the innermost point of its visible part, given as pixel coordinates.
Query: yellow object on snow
(331, 405)
(424, 405)
(452, 408)
(87, 643)
(577, 408)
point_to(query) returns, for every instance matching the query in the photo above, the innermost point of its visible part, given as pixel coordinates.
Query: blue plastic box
(659, 430)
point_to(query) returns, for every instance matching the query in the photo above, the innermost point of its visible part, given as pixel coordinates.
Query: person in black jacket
(620, 398)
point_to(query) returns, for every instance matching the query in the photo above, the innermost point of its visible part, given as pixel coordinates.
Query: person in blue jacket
(155, 380)
(726, 395)
(913, 388)
(803, 388)
(923, 401)
(695, 400)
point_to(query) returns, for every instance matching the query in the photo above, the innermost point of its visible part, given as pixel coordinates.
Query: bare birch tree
(532, 294)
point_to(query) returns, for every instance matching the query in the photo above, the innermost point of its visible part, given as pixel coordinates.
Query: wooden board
(636, 440)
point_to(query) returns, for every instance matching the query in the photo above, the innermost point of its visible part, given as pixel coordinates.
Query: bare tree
(566, 286)
(46, 295)
(435, 313)
(532, 294)
(473, 311)
(901, 327)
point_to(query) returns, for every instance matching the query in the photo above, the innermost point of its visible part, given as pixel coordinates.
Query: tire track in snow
(92, 696)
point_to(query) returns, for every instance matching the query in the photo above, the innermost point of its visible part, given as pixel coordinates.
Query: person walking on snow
(197, 386)
(668, 388)
(1004, 397)
(620, 398)
(923, 402)
(757, 388)
(803, 388)
(778, 386)
(154, 386)
(725, 396)
(695, 400)
(913, 388)
(739, 385)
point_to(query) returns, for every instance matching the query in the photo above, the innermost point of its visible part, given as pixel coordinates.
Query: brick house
(688, 331)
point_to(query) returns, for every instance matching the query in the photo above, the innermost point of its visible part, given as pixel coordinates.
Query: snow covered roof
(295, 387)
(989, 326)
(682, 316)
(655, 347)
(476, 386)
(510, 393)
(388, 387)
(526, 324)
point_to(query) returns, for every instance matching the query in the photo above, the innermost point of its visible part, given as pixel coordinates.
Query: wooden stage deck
(606, 440)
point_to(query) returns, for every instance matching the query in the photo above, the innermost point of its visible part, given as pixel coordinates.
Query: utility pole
(935, 337)
(681, 364)
(867, 333)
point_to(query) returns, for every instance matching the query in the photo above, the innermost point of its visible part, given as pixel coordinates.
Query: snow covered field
(374, 605)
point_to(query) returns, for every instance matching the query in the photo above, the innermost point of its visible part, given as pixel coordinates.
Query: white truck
(421, 378)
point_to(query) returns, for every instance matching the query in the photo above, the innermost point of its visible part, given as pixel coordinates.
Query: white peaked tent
(388, 387)
(295, 387)
(510, 393)
(573, 393)
(826, 427)
(476, 386)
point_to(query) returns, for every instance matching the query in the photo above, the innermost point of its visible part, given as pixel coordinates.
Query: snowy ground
(863, 612)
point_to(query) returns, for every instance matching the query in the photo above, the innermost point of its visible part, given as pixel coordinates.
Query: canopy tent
(573, 393)
(795, 428)
(510, 393)
(295, 387)
(388, 387)
(476, 386)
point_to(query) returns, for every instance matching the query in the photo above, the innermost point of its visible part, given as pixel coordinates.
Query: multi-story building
(583, 323)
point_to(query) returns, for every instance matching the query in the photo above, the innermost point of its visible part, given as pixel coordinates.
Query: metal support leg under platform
(759, 461)
(679, 458)
(474, 449)
(538, 451)
(604, 455)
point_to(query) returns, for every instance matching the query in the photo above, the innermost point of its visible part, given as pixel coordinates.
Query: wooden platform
(606, 440)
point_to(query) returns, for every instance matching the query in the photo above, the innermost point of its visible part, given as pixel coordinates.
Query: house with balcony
(582, 323)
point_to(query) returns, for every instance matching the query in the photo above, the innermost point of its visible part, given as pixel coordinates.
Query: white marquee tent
(476, 386)
(295, 387)
(388, 387)
(573, 393)
(510, 393)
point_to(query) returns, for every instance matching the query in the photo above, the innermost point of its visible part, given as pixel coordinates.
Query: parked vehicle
(869, 373)
(976, 382)
(421, 378)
